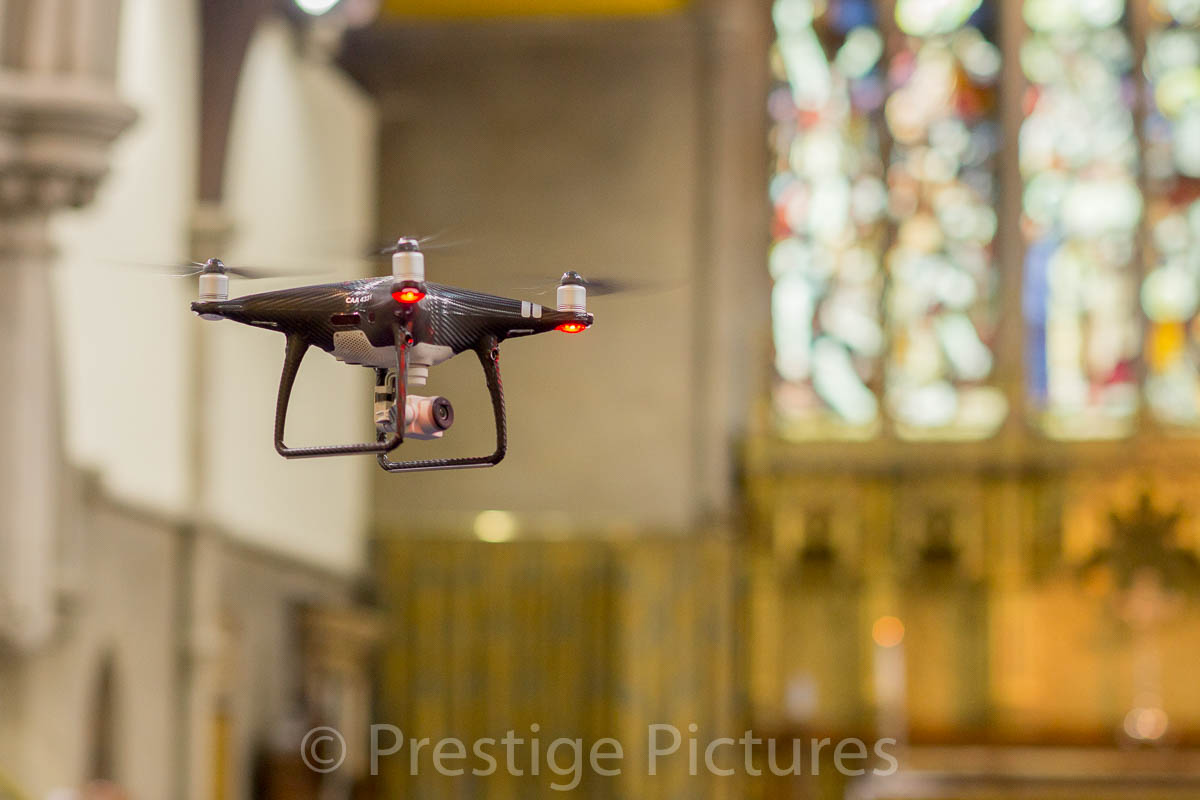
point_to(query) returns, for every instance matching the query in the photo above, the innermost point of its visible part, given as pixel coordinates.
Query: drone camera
(427, 417)
(424, 417)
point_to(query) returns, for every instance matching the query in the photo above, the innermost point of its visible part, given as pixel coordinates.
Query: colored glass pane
(1171, 140)
(943, 119)
(829, 217)
(1082, 208)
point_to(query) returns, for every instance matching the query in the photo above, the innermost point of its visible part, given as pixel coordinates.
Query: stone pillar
(204, 642)
(729, 354)
(58, 114)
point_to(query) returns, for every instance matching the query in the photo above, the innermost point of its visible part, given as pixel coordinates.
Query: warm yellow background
(455, 9)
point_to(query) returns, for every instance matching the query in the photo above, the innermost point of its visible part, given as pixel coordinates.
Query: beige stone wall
(261, 672)
(299, 193)
(125, 609)
(548, 155)
(129, 607)
(608, 148)
(125, 411)
(174, 413)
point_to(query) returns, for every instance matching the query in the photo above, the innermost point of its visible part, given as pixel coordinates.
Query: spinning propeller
(214, 266)
(214, 278)
(522, 284)
(214, 275)
(422, 243)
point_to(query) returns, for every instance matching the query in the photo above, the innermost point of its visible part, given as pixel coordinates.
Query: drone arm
(488, 350)
(297, 346)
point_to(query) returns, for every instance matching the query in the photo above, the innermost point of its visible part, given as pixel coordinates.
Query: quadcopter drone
(400, 326)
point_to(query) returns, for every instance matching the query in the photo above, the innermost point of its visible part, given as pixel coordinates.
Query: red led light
(571, 327)
(408, 295)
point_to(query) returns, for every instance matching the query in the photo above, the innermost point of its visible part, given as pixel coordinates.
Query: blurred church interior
(899, 438)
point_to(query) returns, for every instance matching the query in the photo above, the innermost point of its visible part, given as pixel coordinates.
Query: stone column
(58, 114)
(204, 641)
(729, 354)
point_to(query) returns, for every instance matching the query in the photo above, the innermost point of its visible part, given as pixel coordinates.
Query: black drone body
(353, 320)
(400, 326)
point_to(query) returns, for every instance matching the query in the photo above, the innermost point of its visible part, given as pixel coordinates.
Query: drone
(400, 326)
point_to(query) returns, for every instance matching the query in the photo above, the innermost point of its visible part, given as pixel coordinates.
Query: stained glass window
(1171, 288)
(829, 221)
(888, 145)
(943, 121)
(858, 239)
(1081, 212)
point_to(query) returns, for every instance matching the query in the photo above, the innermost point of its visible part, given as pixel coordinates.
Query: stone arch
(227, 26)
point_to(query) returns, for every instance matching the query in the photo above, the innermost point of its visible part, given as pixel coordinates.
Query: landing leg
(297, 346)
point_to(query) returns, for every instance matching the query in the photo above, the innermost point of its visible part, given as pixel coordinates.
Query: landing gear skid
(297, 346)
(488, 351)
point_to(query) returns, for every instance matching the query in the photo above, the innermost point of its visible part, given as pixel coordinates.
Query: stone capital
(55, 133)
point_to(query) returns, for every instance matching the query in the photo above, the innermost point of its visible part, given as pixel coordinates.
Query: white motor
(572, 293)
(408, 262)
(408, 272)
(214, 284)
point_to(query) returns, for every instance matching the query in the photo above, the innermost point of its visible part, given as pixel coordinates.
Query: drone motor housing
(408, 272)
(213, 286)
(572, 293)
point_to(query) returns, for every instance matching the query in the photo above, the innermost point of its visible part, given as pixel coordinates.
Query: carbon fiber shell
(446, 316)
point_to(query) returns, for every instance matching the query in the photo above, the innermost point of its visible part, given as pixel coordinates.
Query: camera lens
(443, 413)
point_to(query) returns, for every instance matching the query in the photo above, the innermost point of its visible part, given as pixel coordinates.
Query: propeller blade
(602, 287)
(255, 273)
(168, 270)
(599, 287)
(191, 268)
(424, 242)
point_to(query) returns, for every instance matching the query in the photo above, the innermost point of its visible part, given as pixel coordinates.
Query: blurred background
(897, 439)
